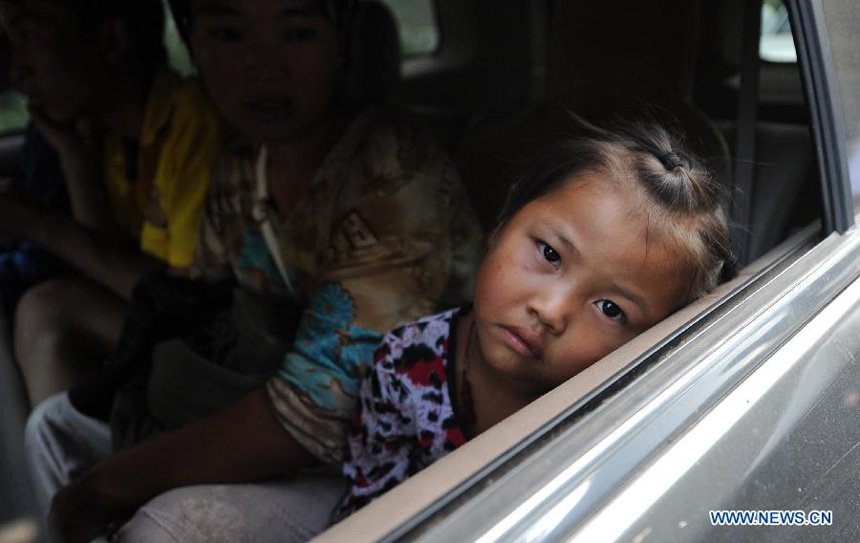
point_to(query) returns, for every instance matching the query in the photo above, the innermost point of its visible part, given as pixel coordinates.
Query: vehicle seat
(784, 165)
(784, 193)
(373, 69)
(602, 63)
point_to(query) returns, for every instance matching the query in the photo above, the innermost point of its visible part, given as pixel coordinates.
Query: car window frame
(827, 125)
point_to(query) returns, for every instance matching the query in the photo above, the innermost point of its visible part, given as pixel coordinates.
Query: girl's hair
(682, 196)
(340, 12)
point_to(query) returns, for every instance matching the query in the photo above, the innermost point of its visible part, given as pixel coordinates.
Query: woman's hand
(78, 144)
(82, 510)
(73, 141)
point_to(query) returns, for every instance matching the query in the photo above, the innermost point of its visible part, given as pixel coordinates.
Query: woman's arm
(243, 442)
(104, 260)
(87, 240)
(78, 147)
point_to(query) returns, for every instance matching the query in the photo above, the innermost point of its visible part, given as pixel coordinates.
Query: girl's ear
(115, 39)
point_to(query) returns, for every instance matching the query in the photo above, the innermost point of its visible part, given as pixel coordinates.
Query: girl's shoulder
(420, 342)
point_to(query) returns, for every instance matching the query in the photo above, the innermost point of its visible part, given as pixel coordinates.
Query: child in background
(136, 145)
(614, 231)
(349, 212)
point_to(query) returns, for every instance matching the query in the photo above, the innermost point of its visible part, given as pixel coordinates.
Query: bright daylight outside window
(416, 26)
(843, 25)
(777, 44)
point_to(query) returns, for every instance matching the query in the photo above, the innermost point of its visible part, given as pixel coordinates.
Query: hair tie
(729, 269)
(670, 160)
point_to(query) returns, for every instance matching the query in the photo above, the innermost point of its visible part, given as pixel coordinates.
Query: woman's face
(269, 65)
(571, 277)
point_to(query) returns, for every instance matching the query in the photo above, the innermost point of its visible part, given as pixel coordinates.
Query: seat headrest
(593, 44)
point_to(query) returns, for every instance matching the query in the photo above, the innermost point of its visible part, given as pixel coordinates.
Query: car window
(416, 26)
(843, 24)
(177, 54)
(777, 43)
(13, 106)
(13, 111)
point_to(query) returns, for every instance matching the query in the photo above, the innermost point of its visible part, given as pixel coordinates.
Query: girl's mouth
(523, 341)
(268, 107)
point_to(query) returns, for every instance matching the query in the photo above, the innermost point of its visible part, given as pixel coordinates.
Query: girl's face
(269, 65)
(55, 61)
(569, 279)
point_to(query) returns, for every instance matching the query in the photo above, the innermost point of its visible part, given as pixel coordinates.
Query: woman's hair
(338, 11)
(683, 198)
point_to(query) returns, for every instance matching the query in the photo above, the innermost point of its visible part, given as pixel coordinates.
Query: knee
(186, 515)
(286, 511)
(39, 318)
(44, 301)
(39, 421)
(39, 447)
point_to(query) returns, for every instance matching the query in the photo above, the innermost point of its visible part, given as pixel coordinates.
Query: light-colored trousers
(61, 444)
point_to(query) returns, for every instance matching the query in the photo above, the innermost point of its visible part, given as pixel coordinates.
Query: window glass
(842, 19)
(777, 44)
(177, 54)
(416, 26)
(13, 111)
(13, 106)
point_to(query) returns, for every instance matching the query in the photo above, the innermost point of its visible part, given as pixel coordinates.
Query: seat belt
(745, 152)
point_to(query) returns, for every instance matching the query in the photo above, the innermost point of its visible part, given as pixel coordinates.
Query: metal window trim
(826, 122)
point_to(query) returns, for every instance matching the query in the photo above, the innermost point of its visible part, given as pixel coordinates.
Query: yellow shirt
(178, 146)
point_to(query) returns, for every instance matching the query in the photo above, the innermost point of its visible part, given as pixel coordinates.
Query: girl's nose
(266, 62)
(552, 309)
(262, 70)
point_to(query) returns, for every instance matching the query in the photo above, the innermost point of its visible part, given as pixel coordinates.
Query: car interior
(494, 79)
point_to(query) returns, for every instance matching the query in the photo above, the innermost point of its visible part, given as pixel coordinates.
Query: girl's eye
(226, 34)
(549, 254)
(300, 34)
(611, 310)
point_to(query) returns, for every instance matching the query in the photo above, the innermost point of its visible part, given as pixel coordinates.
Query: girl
(615, 230)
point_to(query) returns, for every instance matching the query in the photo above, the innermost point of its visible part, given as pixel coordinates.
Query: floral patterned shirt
(406, 419)
(384, 234)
